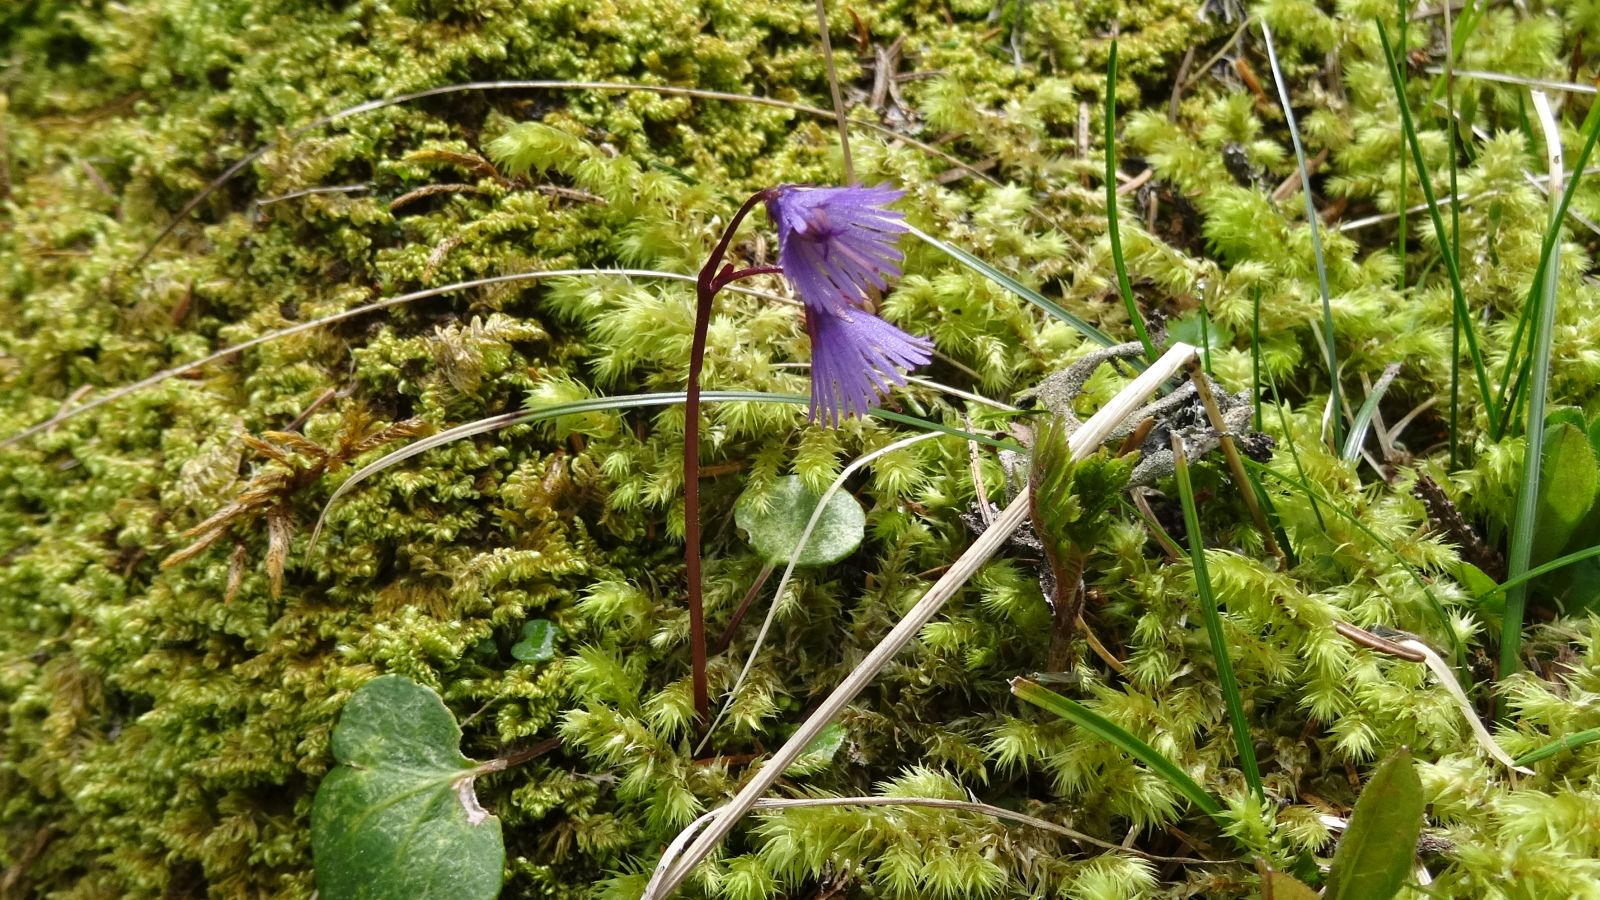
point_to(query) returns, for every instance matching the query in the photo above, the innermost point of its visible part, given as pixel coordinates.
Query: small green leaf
(1568, 482)
(1193, 328)
(775, 530)
(1374, 856)
(398, 818)
(819, 753)
(538, 642)
(1565, 415)
(1279, 886)
(1478, 583)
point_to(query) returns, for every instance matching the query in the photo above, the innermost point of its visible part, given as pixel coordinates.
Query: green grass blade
(1537, 572)
(1471, 15)
(1112, 229)
(1016, 287)
(1294, 451)
(1403, 227)
(1569, 742)
(1451, 264)
(1212, 615)
(1514, 358)
(1104, 729)
(1524, 525)
(1255, 353)
(1525, 521)
(1330, 353)
(1363, 420)
(1453, 132)
(1536, 291)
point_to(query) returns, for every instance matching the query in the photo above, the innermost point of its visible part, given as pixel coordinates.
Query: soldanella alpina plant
(838, 247)
(389, 255)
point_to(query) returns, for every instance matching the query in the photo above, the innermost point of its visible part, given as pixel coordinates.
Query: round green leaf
(538, 642)
(776, 523)
(398, 817)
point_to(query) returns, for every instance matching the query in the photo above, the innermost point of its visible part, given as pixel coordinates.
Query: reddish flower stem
(710, 281)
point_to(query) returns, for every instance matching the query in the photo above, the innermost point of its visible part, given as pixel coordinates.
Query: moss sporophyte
(837, 246)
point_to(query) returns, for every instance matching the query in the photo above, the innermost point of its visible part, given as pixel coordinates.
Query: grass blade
(1113, 231)
(604, 404)
(1330, 354)
(1102, 728)
(1451, 264)
(1016, 287)
(1255, 353)
(1363, 420)
(1525, 523)
(1568, 742)
(1536, 291)
(1538, 571)
(1294, 450)
(1403, 228)
(1212, 614)
(1453, 133)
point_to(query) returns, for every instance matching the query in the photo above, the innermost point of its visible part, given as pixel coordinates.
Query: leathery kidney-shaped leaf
(776, 523)
(397, 818)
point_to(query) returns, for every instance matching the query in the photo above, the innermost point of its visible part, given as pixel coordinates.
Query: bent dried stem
(666, 89)
(670, 873)
(71, 412)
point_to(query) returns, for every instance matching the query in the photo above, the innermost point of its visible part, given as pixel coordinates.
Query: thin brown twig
(1178, 82)
(1291, 184)
(1371, 641)
(1220, 55)
(833, 87)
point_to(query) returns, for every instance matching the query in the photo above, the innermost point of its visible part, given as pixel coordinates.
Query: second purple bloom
(838, 245)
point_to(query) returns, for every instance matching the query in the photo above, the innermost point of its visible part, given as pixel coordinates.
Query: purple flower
(838, 245)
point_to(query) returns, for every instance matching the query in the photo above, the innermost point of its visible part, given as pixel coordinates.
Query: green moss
(165, 726)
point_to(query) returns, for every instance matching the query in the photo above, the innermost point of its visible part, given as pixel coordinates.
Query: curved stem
(706, 287)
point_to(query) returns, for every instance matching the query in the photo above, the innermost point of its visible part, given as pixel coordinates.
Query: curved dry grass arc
(788, 571)
(602, 404)
(982, 809)
(351, 313)
(670, 873)
(537, 85)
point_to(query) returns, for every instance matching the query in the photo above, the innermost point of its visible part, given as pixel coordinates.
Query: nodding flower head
(838, 245)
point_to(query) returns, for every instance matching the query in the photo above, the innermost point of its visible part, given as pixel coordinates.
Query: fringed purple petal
(837, 243)
(855, 357)
(839, 246)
